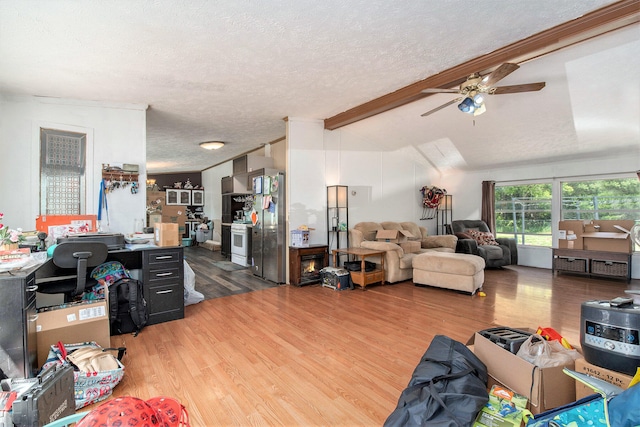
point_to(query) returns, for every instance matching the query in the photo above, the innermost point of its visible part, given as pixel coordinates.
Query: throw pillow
(482, 237)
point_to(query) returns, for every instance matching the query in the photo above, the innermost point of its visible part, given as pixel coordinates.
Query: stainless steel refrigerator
(269, 240)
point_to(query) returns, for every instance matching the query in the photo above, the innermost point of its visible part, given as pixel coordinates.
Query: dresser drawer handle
(164, 274)
(168, 291)
(161, 257)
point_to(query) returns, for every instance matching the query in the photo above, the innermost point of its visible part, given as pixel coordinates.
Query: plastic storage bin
(202, 235)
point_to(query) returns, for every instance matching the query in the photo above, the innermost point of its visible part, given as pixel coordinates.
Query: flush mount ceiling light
(212, 145)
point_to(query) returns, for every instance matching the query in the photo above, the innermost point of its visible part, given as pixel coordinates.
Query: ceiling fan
(473, 91)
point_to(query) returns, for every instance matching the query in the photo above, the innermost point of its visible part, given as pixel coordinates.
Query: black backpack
(127, 306)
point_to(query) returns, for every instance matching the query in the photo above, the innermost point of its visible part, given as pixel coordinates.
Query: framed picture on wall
(184, 197)
(197, 197)
(171, 197)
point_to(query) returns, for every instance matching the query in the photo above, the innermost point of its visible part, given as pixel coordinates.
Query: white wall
(383, 185)
(116, 133)
(307, 177)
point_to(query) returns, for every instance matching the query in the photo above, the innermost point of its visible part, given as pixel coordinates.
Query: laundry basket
(202, 235)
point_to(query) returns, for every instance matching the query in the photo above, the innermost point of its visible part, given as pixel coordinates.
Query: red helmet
(171, 410)
(132, 411)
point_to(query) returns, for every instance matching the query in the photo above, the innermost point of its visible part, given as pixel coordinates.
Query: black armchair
(495, 256)
(80, 256)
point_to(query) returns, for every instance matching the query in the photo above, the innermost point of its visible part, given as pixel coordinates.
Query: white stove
(240, 244)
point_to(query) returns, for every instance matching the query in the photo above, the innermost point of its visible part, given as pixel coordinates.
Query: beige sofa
(398, 263)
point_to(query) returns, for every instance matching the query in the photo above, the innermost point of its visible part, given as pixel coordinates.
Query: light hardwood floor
(314, 356)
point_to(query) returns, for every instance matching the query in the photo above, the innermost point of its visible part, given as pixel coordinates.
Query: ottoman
(460, 272)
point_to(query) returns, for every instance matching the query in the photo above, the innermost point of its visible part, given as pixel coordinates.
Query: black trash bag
(357, 265)
(447, 389)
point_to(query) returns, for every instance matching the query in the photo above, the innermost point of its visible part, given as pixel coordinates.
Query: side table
(362, 277)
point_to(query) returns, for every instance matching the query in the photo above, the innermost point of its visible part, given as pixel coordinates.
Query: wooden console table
(596, 263)
(362, 277)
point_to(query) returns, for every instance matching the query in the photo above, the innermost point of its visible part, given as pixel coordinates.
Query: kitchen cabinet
(249, 163)
(225, 237)
(226, 184)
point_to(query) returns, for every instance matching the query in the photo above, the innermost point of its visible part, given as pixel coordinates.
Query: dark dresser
(163, 278)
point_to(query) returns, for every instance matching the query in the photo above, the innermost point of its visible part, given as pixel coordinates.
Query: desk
(362, 277)
(162, 274)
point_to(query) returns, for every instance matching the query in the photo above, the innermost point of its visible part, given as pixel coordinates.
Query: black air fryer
(609, 335)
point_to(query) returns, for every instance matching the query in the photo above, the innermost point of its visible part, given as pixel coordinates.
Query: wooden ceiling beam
(606, 19)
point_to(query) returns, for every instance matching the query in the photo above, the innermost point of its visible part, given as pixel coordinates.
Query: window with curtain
(62, 172)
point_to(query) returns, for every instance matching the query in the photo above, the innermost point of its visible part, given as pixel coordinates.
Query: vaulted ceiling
(232, 71)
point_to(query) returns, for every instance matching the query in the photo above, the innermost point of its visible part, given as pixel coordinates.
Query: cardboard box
(612, 377)
(300, 238)
(597, 235)
(393, 236)
(155, 218)
(175, 215)
(155, 201)
(575, 228)
(609, 242)
(43, 222)
(613, 225)
(166, 234)
(546, 388)
(71, 324)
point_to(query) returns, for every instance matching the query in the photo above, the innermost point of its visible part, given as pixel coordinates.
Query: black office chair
(82, 256)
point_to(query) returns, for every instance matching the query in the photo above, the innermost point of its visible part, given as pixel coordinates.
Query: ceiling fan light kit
(473, 91)
(212, 145)
(467, 105)
(473, 104)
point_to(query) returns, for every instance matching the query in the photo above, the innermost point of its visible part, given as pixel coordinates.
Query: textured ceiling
(232, 70)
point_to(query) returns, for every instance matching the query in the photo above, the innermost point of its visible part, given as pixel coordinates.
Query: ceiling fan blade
(529, 87)
(498, 74)
(435, 90)
(446, 104)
